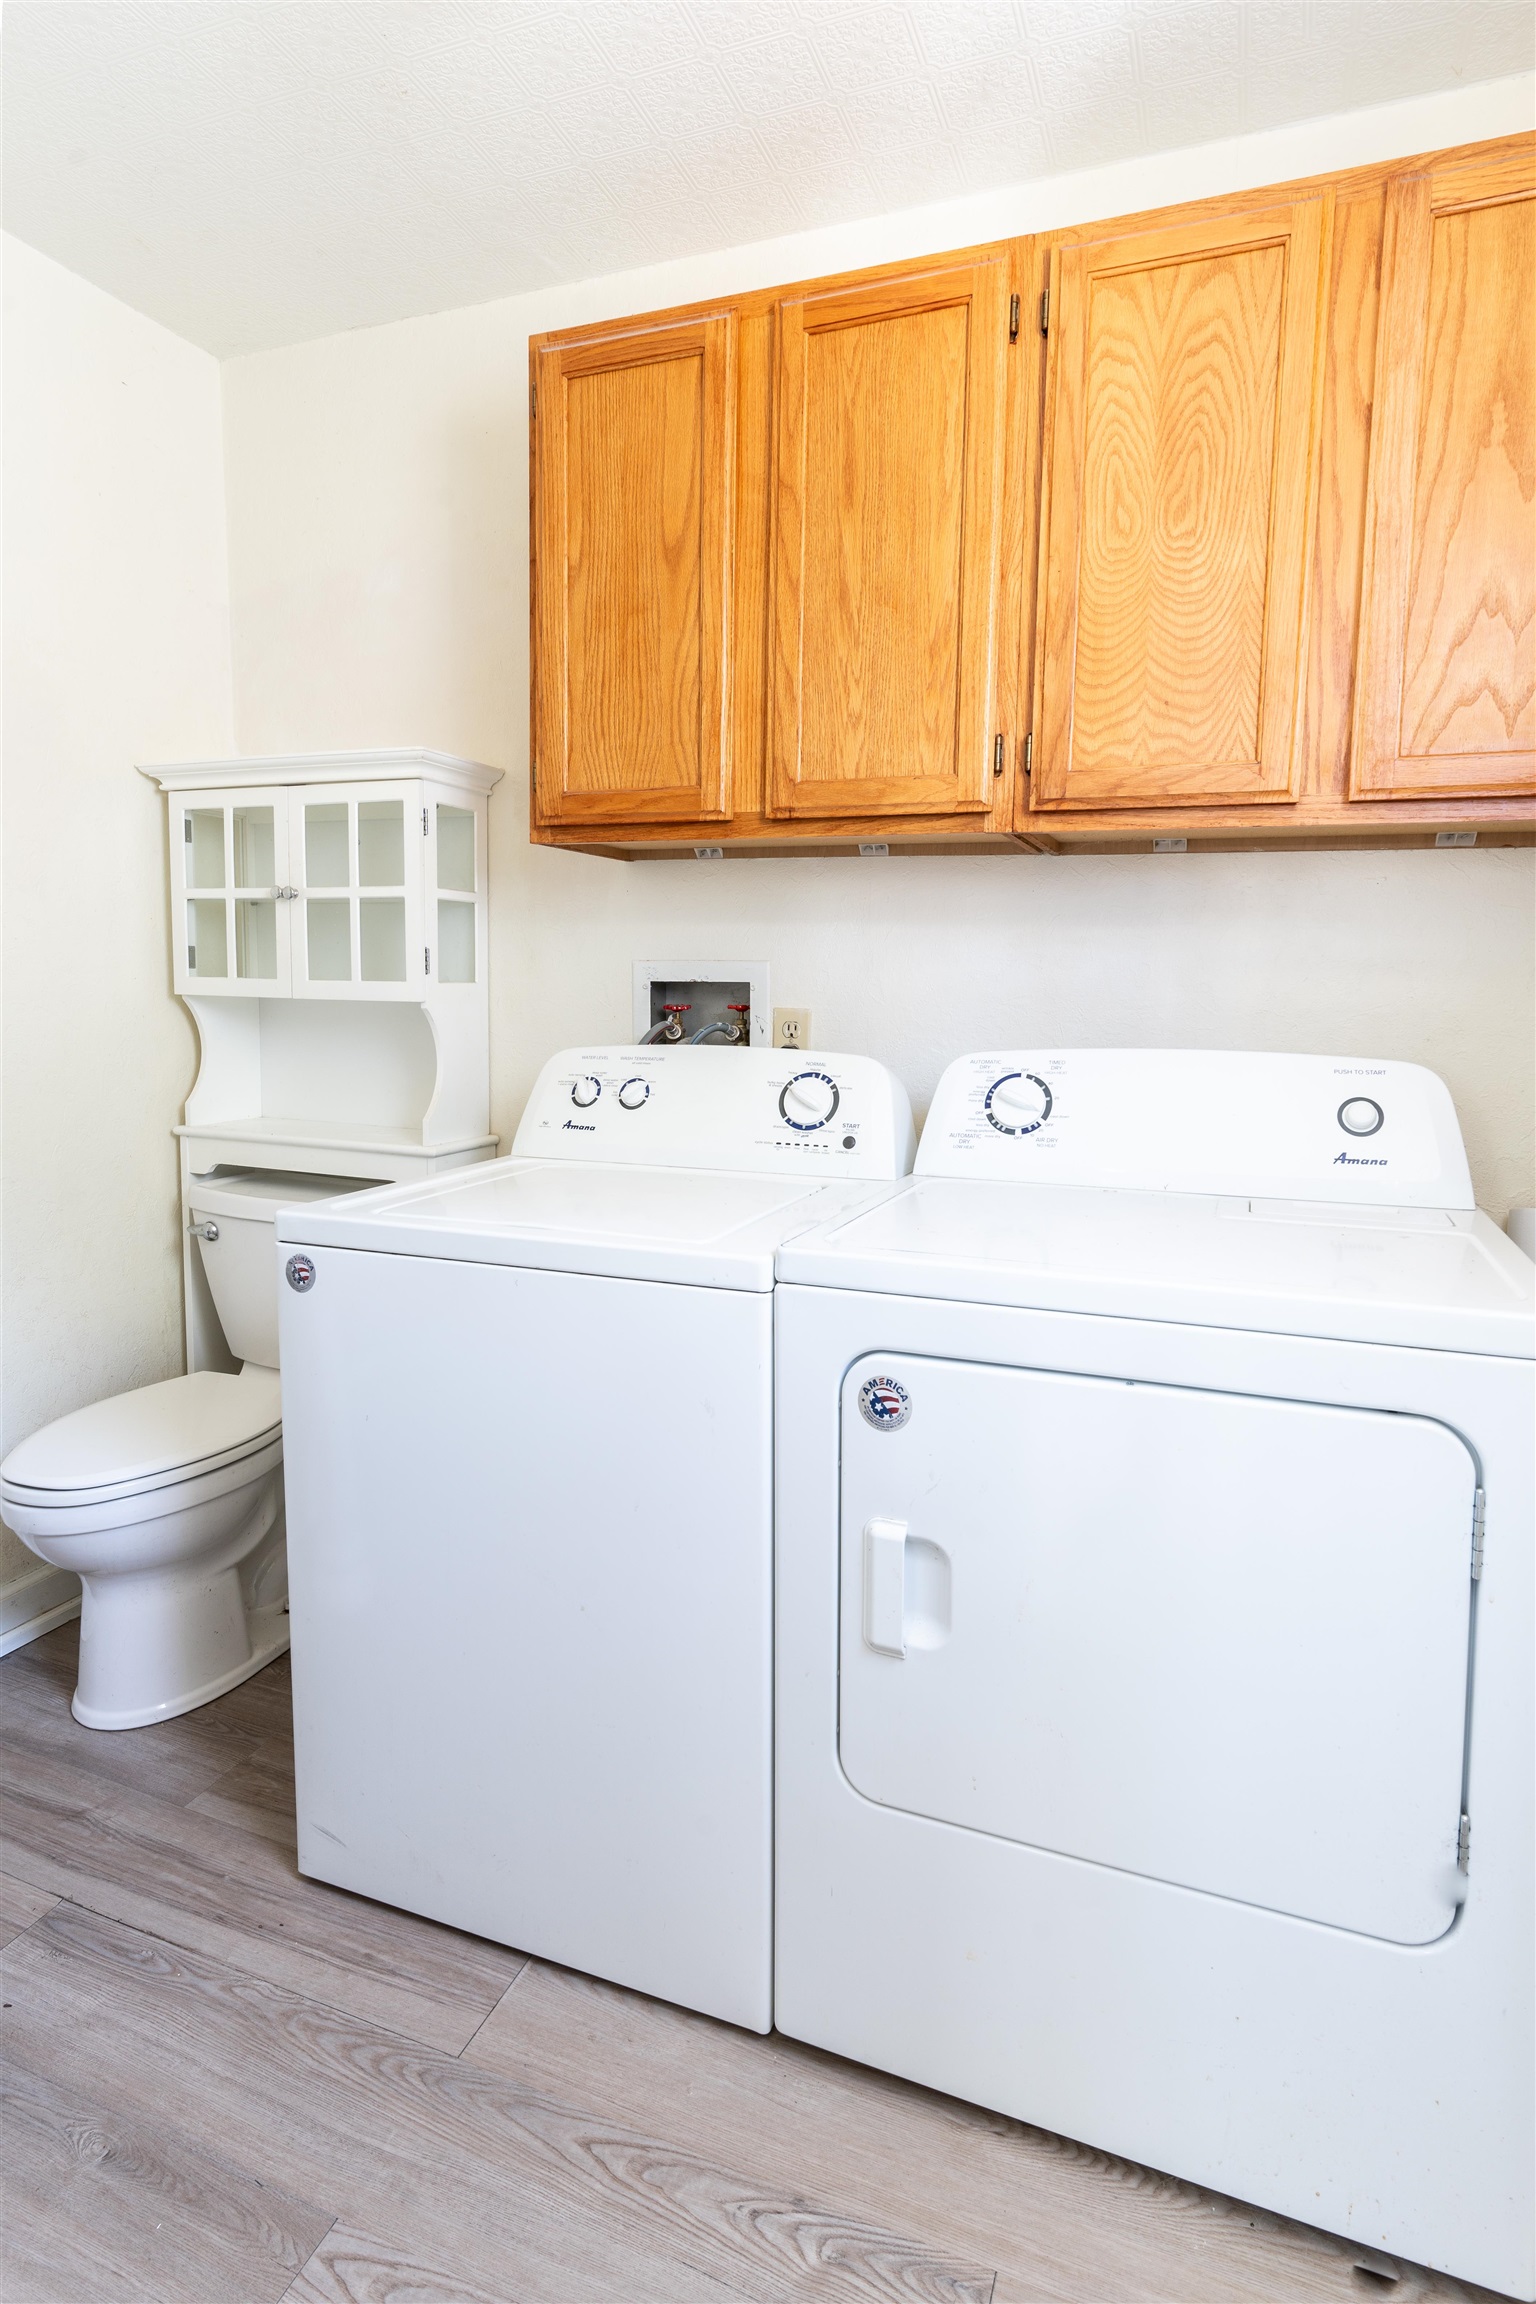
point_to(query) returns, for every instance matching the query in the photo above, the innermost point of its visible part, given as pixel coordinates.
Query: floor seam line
(500, 2004)
(309, 2259)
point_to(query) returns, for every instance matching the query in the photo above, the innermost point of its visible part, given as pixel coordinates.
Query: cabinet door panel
(1181, 418)
(1447, 685)
(632, 568)
(355, 922)
(889, 439)
(229, 861)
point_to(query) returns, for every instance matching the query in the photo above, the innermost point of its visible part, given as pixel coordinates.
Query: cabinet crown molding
(322, 768)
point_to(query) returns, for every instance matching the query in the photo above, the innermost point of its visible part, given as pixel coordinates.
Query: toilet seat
(188, 1429)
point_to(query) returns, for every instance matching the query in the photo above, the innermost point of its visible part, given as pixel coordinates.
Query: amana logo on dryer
(1357, 1160)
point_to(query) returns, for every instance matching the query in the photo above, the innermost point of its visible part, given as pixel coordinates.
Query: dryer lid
(147, 1438)
(1434, 1278)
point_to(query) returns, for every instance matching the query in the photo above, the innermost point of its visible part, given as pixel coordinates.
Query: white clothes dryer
(527, 1425)
(1155, 1656)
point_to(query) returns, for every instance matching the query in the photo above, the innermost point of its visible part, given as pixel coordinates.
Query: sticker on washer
(884, 1403)
(301, 1273)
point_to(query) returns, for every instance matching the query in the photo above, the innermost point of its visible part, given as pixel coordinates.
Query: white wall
(116, 650)
(378, 534)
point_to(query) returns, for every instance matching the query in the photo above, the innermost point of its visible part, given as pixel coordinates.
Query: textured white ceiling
(254, 172)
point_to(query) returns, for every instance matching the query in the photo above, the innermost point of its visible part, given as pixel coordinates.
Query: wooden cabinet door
(633, 473)
(888, 461)
(1182, 387)
(1446, 684)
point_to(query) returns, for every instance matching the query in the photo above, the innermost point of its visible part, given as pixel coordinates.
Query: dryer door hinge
(1479, 1510)
(1463, 1842)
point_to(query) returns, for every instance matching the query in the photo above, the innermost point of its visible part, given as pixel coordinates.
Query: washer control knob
(809, 1100)
(1018, 1103)
(586, 1091)
(1360, 1116)
(633, 1094)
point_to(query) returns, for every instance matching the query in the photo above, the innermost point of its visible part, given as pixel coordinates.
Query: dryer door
(1218, 1640)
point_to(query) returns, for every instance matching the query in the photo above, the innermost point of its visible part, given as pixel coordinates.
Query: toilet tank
(232, 1213)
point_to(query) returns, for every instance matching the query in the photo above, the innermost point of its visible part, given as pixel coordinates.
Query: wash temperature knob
(633, 1094)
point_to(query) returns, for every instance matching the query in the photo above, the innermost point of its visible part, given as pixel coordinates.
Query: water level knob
(586, 1091)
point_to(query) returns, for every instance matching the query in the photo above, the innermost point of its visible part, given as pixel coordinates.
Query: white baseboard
(33, 1604)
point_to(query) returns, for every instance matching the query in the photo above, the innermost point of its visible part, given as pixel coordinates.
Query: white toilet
(168, 1502)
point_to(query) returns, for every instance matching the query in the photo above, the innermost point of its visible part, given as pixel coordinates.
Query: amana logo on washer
(884, 1403)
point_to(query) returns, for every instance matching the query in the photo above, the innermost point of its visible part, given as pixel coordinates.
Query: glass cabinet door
(457, 894)
(356, 853)
(228, 858)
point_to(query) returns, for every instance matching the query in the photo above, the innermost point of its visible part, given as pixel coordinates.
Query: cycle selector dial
(808, 1101)
(633, 1094)
(1018, 1104)
(586, 1091)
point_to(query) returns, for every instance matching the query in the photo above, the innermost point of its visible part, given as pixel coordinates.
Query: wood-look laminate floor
(225, 2084)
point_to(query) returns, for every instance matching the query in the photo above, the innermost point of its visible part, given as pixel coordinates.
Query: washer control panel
(747, 1108)
(1198, 1120)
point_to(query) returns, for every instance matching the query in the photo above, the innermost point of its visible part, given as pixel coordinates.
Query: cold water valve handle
(208, 1231)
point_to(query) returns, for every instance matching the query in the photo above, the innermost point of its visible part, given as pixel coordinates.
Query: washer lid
(148, 1438)
(703, 1227)
(1435, 1278)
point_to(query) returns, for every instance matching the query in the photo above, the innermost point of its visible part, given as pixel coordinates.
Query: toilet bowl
(167, 1502)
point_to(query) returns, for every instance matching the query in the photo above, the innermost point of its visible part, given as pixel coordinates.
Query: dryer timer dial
(1018, 1103)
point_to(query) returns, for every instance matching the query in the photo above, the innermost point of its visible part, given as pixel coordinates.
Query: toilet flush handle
(209, 1231)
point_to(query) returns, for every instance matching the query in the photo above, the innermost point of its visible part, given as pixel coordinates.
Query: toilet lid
(145, 1439)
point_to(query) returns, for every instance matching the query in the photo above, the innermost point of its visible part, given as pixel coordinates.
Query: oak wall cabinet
(888, 438)
(1209, 527)
(632, 552)
(1446, 702)
(1180, 447)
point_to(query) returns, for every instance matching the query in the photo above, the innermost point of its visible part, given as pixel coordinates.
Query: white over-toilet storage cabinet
(328, 934)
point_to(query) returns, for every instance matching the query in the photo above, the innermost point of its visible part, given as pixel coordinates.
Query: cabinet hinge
(426, 960)
(1464, 1843)
(997, 756)
(1479, 1511)
(533, 400)
(1013, 319)
(423, 823)
(186, 830)
(1029, 751)
(1045, 311)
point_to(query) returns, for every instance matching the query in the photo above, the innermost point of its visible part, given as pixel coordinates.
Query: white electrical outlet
(791, 1028)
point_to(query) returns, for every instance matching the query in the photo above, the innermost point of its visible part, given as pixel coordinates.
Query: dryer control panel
(1349, 1129)
(770, 1110)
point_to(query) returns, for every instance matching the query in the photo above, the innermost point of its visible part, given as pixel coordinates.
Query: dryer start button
(1360, 1116)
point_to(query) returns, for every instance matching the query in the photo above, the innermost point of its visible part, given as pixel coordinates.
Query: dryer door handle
(885, 1586)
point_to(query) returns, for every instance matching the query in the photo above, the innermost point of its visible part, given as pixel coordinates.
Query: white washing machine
(527, 1418)
(1155, 1636)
